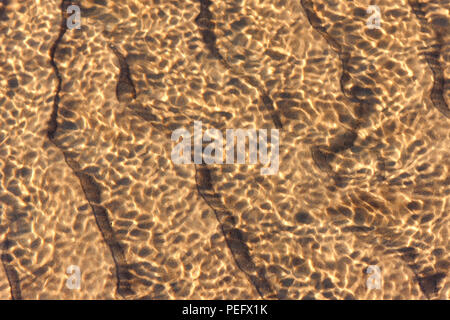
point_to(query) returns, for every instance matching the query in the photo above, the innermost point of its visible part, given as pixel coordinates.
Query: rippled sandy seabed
(86, 177)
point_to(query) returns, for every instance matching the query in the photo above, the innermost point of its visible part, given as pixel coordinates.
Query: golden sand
(86, 177)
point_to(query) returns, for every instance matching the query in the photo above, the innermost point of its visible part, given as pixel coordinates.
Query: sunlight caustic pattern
(355, 94)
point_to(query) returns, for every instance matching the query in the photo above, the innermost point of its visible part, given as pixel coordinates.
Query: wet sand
(86, 177)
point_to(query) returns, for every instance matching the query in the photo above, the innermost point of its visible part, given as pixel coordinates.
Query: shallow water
(93, 207)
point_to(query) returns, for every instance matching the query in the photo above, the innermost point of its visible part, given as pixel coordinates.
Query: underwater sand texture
(86, 177)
